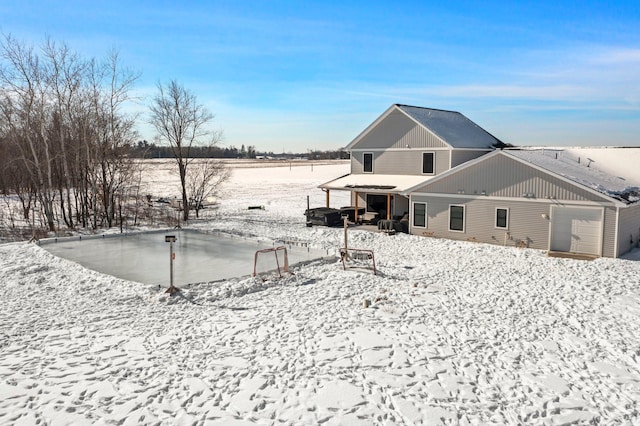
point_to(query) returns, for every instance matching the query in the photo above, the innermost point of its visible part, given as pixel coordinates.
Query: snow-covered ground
(457, 332)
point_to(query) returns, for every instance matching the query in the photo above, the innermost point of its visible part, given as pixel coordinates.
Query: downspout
(617, 234)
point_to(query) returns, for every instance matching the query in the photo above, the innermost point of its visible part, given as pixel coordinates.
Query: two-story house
(446, 177)
(405, 147)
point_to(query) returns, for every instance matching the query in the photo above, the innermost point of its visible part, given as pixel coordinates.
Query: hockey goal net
(358, 259)
(270, 262)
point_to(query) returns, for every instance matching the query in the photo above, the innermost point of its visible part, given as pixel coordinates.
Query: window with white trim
(419, 215)
(367, 162)
(502, 218)
(428, 163)
(456, 218)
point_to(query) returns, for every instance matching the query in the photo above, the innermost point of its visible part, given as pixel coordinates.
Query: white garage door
(576, 229)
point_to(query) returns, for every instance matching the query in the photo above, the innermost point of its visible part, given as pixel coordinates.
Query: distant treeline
(144, 149)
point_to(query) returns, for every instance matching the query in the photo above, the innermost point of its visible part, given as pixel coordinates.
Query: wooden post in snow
(355, 216)
(171, 239)
(345, 218)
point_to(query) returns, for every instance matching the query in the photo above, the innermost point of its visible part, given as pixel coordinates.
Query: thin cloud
(618, 56)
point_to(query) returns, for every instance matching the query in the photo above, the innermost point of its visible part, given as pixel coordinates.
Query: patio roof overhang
(375, 183)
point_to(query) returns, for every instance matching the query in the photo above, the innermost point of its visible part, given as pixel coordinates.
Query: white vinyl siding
(628, 229)
(398, 131)
(456, 218)
(501, 176)
(400, 162)
(459, 156)
(529, 222)
(502, 218)
(419, 216)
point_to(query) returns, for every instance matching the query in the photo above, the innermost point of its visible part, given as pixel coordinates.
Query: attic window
(367, 162)
(428, 163)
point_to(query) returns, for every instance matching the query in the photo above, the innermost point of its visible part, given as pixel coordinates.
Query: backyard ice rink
(457, 333)
(198, 256)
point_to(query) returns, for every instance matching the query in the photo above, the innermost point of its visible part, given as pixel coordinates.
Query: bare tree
(64, 73)
(27, 111)
(115, 131)
(64, 133)
(183, 123)
(204, 180)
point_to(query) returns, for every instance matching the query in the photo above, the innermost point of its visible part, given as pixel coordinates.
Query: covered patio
(383, 197)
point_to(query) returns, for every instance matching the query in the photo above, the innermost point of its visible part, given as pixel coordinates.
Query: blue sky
(301, 75)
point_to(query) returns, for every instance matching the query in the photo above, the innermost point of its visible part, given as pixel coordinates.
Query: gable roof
(622, 191)
(451, 127)
(582, 171)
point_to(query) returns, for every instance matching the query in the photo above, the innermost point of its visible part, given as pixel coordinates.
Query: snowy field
(457, 332)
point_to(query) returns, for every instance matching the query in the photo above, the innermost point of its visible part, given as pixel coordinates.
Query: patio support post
(389, 206)
(327, 195)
